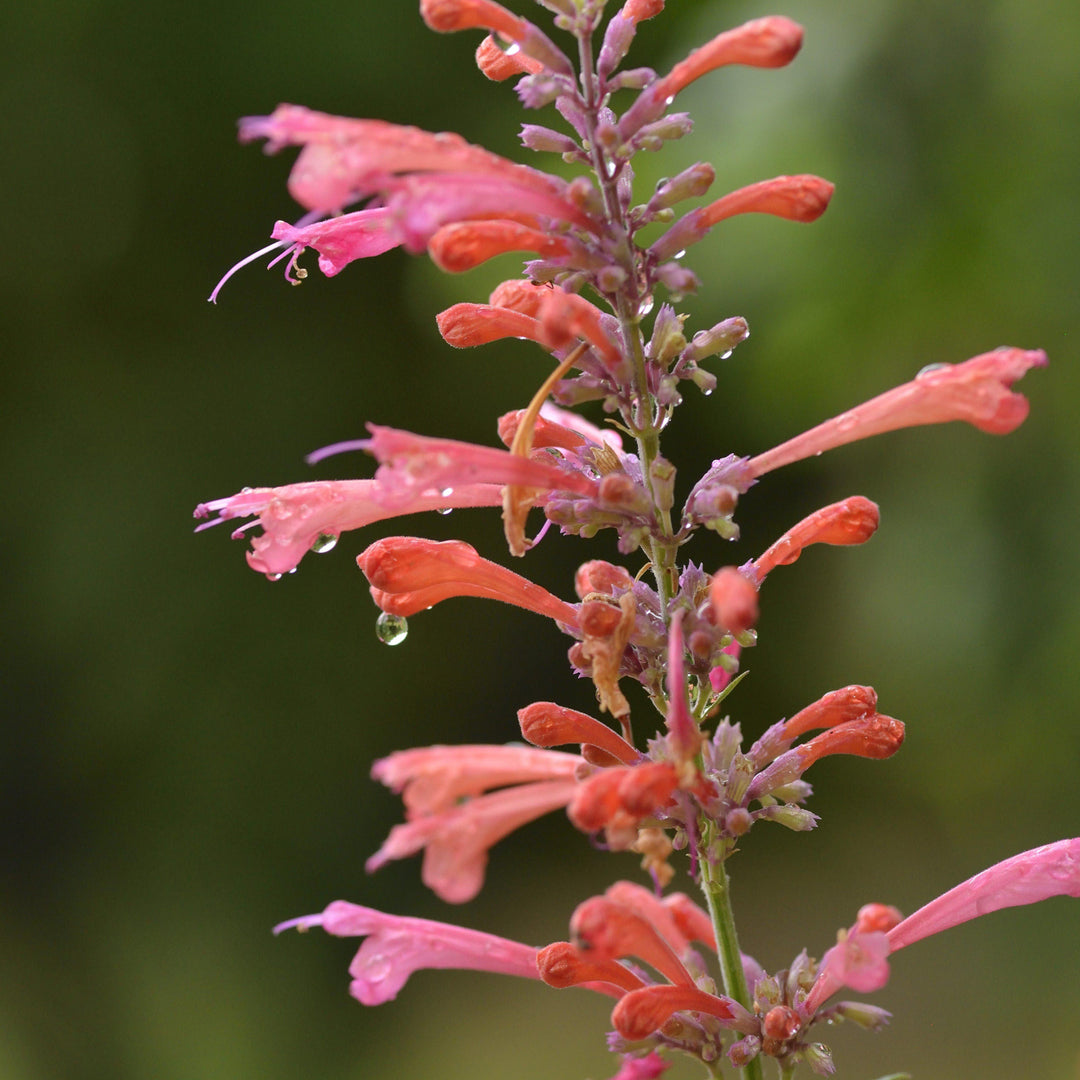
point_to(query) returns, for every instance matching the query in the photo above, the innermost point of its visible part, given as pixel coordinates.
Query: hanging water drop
(929, 368)
(679, 254)
(513, 50)
(391, 629)
(324, 542)
(273, 577)
(726, 355)
(646, 307)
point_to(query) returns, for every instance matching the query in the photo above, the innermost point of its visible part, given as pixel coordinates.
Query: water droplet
(646, 307)
(707, 391)
(679, 254)
(669, 100)
(610, 168)
(513, 49)
(273, 577)
(444, 510)
(246, 490)
(726, 355)
(391, 629)
(446, 492)
(930, 367)
(324, 542)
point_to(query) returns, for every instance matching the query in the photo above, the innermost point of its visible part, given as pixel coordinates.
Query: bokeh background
(186, 746)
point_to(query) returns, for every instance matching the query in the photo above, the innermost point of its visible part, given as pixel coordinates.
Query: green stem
(717, 888)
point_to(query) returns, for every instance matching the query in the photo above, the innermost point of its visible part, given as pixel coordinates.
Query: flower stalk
(680, 632)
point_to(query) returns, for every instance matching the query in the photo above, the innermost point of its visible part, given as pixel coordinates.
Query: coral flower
(978, 391)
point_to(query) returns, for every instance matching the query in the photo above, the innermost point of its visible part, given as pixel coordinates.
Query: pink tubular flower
(851, 521)
(467, 325)
(456, 843)
(434, 779)
(766, 43)
(684, 736)
(341, 240)
(734, 599)
(299, 518)
(978, 391)
(344, 160)
(397, 945)
(797, 198)
(641, 1012)
(858, 959)
(648, 1067)
(409, 573)
(412, 463)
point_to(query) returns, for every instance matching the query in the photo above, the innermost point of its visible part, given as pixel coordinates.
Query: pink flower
(299, 518)
(408, 574)
(456, 836)
(341, 240)
(859, 960)
(412, 463)
(546, 724)
(684, 736)
(396, 946)
(344, 160)
(648, 1067)
(978, 391)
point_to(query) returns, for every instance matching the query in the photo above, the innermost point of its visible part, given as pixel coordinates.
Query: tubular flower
(870, 736)
(978, 391)
(766, 43)
(447, 16)
(462, 245)
(499, 64)
(851, 521)
(797, 198)
(546, 724)
(410, 463)
(859, 960)
(299, 518)
(397, 945)
(456, 842)
(409, 573)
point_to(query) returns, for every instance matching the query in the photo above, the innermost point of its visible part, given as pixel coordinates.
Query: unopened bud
(691, 183)
(734, 600)
(721, 338)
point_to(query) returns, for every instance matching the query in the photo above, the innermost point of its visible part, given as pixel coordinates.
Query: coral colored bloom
(467, 325)
(562, 965)
(397, 945)
(870, 736)
(978, 391)
(1027, 878)
(434, 779)
(499, 64)
(617, 800)
(766, 43)
(641, 1012)
(835, 707)
(456, 843)
(462, 245)
(734, 600)
(410, 573)
(447, 16)
(797, 198)
(546, 724)
(299, 518)
(851, 521)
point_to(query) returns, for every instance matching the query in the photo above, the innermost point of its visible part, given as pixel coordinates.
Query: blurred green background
(186, 747)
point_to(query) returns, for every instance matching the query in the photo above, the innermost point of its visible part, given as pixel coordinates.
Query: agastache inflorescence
(368, 186)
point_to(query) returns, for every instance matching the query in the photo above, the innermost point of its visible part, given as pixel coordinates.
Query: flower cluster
(678, 630)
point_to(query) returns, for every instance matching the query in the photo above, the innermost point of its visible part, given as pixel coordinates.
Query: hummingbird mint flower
(661, 637)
